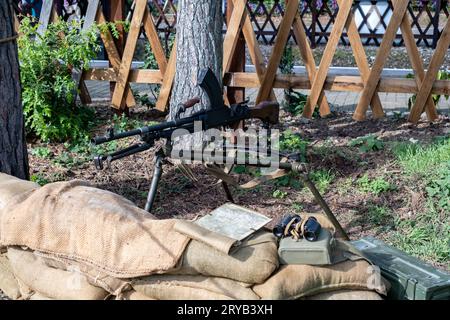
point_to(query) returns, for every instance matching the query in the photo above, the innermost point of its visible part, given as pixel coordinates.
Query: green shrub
(48, 90)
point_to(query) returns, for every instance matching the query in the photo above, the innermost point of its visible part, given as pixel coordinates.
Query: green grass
(378, 215)
(322, 178)
(416, 159)
(426, 236)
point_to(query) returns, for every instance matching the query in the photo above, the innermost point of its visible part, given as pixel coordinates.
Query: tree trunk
(199, 46)
(13, 149)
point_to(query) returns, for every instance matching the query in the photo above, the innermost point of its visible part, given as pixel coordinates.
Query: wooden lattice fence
(318, 17)
(369, 82)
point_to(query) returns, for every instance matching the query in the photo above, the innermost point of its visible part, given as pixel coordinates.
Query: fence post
(238, 61)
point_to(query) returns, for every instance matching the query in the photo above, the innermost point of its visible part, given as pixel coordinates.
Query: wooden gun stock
(267, 111)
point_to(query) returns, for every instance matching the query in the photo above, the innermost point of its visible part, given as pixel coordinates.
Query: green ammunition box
(410, 278)
(291, 251)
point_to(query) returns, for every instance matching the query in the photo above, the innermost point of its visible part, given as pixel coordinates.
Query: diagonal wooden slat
(232, 36)
(254, 50)
(308, 60)
(113, 56)
(416, 61)
(127, 58)
(361, 60)
(382, 55)
(327, 58)
(155, 43)
(166, 87)
(431, 75)
(277, 52)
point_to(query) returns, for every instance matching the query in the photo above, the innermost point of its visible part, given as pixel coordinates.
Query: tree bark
(13, 149)
(199, 46)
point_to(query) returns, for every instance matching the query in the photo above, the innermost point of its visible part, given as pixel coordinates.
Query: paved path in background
(342, 101)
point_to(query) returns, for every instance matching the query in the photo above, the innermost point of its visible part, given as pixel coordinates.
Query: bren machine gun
(217, 116)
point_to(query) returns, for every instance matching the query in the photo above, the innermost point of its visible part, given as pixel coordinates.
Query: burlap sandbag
(75, 221)
(253, 262)
(8, 282)
(185, 287)
(346, 295)
(296, 281)
(11, 186)
(50, 282)
(114, 286)
(39, 296)
(132, 295)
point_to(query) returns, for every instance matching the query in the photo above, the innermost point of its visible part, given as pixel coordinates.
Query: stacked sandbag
(299, 281)
(77, 222)
(184, 287)
(253, 261)
(69, 240)
(8, 282)
(49, 282)
(346, 295)
(11, 187)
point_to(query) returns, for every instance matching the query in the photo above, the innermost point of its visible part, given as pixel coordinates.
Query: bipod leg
(157, 172)
(307, 181)
(227, 191)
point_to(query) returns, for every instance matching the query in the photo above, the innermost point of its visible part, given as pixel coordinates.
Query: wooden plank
(136, 75)
(361, 61)
(431, 75)
(277, 51)
(382, 55)
(130, 47)
(327, 58)
(334, 83)
(254, 50)
(155, 42)
(166, 88)
(237, 64)
(232, 36)
(308, 60)
(416, 61)
(113, 56)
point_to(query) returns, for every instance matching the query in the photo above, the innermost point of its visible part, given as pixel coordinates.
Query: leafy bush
(367, 143)
(48, 90)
